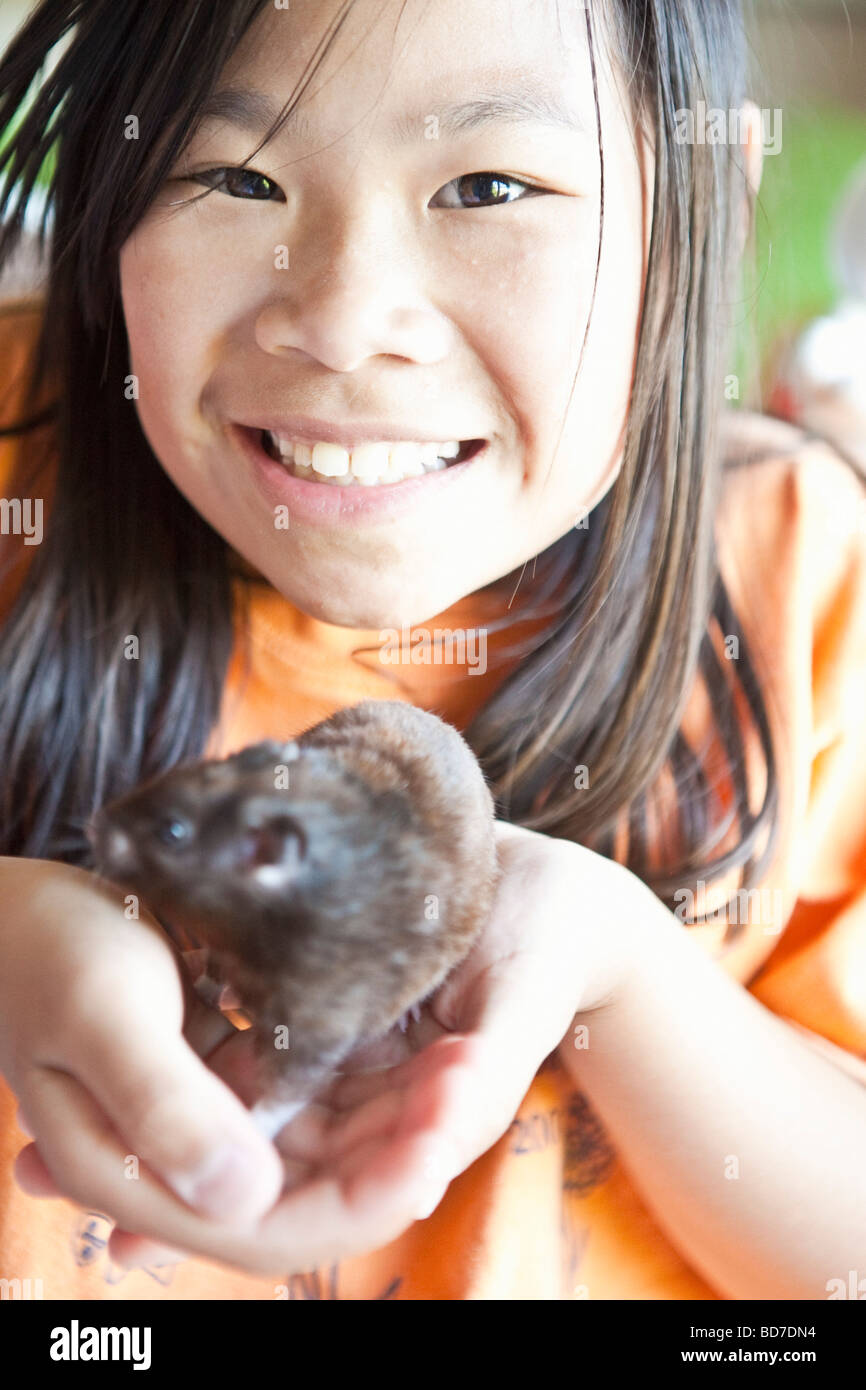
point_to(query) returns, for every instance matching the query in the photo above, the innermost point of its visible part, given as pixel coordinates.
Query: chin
(348, 608)
(376, 618)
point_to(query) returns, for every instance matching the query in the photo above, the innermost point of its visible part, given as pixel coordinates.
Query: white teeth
(366, 464)
(330, 460)
(370, 462)
(406, 459)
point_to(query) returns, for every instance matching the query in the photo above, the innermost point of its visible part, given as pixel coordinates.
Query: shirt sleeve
(816, 976)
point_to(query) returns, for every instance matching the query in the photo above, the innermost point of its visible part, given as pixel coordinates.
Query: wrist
(630, 929)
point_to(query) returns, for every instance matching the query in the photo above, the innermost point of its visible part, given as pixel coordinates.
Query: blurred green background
(808, 60)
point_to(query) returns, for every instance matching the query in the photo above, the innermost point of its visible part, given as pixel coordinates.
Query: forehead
(389, 60)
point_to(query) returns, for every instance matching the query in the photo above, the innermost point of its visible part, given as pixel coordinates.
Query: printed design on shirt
(530, 1133)
(321, 1284)
(90, 1232)
(574, 1242)
(589, 1155)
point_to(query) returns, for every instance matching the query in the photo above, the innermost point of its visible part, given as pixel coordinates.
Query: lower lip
(327, 504)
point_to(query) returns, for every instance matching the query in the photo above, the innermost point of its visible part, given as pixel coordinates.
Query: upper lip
(305, 429)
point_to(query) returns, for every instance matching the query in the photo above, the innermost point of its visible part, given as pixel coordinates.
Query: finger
(88, 1162)
(379, 1193)
(234, 1061)
(176, 1116)
(477, 1095)
(375, 1119)
(303, 1138)
(459, 1088)
(23, 1123)
(32, 1176)
(318, 1135)
(349, 1091)
(325, 1219)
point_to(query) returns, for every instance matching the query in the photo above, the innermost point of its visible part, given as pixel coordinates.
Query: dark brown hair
(638, 609)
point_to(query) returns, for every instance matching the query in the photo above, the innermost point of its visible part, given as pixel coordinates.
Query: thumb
(179, 1118)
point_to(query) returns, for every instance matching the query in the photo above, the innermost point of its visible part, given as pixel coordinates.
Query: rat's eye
(172, 831)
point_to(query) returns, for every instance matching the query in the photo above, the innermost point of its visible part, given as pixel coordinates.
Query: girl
(476, 227)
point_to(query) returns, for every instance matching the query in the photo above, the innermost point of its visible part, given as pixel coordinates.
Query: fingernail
(114, 1273)
(223, 1185)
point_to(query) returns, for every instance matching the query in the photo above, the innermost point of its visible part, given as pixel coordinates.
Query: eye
(232, 178)
(486, 186)
(172, 831)
(486, 189)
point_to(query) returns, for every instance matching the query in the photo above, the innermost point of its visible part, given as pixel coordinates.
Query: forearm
(748, 1146)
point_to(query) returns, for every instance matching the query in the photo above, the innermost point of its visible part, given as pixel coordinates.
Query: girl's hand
(92, 1007)
(378, 1148)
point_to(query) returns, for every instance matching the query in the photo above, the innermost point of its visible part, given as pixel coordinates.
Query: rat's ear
(274, 843)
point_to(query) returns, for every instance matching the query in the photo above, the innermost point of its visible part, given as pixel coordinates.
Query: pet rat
(335, 880)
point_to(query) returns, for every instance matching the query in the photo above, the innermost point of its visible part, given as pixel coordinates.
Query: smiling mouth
(366, 465)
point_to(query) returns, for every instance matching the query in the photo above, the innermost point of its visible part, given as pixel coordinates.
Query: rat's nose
(111, 846)
(118, 845)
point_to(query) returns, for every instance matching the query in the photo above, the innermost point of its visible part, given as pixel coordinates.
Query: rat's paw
(403, 1021)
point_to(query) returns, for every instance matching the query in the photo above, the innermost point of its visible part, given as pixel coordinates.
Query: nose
(111, 846)
(355, 287)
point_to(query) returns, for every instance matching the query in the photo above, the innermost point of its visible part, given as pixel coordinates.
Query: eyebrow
(255, 112)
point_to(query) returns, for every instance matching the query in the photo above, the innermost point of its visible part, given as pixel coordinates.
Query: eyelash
(531, 189)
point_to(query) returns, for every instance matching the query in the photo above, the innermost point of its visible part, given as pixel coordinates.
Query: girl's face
(355, 274)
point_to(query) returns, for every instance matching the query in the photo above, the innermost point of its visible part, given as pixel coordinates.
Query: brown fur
(382, 865)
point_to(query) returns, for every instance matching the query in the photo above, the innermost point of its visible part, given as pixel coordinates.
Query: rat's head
(270, 829)
(183, 838)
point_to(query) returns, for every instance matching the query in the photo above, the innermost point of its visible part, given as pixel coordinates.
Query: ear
(274, 843)
(751, 124)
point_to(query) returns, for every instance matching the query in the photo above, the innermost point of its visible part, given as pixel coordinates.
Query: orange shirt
(549, 1212)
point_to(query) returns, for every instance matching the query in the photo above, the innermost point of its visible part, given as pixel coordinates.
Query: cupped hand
(379, 1146)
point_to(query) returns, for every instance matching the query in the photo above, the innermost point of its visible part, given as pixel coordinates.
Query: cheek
(590, 405)
(525, 297)
(169, 322)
